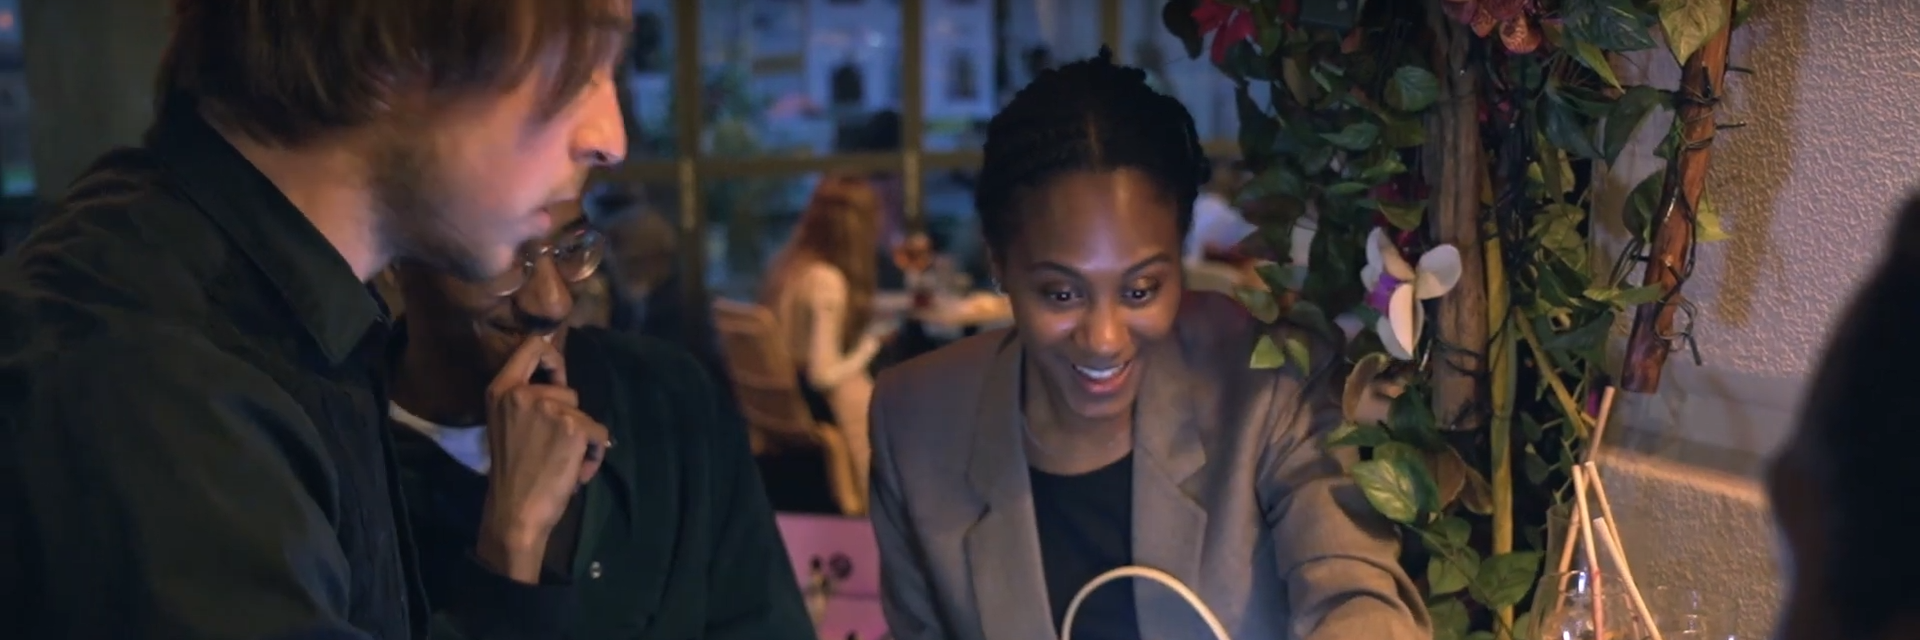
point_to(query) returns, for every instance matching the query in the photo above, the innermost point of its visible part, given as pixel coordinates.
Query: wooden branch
(1455, 169)
(1702, 84)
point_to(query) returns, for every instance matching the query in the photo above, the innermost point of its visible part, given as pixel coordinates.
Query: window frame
(691, 166)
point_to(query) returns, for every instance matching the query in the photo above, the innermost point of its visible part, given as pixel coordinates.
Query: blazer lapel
(1002, 547)
(1169, 525)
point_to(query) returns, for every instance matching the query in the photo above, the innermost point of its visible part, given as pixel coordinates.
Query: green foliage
(1336, 123)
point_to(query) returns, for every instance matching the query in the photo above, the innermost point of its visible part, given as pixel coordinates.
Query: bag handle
(1148, 573)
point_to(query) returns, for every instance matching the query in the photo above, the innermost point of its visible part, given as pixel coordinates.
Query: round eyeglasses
(576, 256)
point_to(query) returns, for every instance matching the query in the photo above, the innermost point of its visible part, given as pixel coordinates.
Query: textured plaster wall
(1806, 189)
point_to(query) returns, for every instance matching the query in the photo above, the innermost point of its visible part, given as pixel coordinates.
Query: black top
(1085, 524)
(191, 441)
(673, 539)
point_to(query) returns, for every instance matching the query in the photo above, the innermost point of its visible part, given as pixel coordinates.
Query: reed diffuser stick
(1619, 557)
(1585, 519)
(1599, 426)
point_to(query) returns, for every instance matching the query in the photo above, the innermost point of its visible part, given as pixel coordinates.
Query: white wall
(1806, 190)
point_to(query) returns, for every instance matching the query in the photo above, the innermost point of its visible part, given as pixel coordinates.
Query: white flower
(1395, 289)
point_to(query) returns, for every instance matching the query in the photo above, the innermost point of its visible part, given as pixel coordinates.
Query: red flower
(1229, 25)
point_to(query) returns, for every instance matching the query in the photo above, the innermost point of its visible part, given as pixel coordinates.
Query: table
(949, 316)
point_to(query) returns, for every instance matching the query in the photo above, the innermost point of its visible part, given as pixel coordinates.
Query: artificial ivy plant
(1423, 191)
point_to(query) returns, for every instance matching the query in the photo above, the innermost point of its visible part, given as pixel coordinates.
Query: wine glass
(1686, 614)
(1575, 606)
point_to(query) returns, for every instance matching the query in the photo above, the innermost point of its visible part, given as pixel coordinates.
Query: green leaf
(1627, 297)
(1309, 316)
(1670, 145)
(1690, 23)
(1400, 451)
(1354, 434)
(1401, 133)
(1706, 222)
(1450, 572)
(1522, 628)
(1276, 180)
(1347, 188)
(1177, 16)
(1453, 530)
(1536, 467)
(1387, 167)
(1297, 351)
(1257, 129)
(1358, 136)
(1404, 216)
(1564, 130)
(1742, 9)
(1412, 420)
(1266, 355)
(1642, 203)
(1245, 62)
(1275, 275)
(1398, 488)
(1611, 25)
(1449, 617)
(1316, 158)
(1593, 58)
(1412, 89)
(1586, 337)
(1505, 578)
(1632, 107)
(1558, 227)
(1258, 302)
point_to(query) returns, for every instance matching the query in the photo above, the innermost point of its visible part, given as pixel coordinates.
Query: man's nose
(545, 301)
(601, 139)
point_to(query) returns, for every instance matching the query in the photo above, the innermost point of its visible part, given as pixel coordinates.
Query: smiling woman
(1116, 424)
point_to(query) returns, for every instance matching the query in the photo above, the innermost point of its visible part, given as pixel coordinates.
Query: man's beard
(416, 212)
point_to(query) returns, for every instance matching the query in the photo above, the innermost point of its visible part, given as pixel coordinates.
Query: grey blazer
(1232, 494)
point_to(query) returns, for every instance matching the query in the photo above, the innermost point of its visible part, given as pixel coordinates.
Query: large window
(738, 106)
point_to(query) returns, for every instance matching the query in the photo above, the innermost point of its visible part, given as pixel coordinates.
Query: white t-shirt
(467, 445)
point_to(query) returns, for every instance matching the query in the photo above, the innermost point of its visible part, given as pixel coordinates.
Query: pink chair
(838, 564)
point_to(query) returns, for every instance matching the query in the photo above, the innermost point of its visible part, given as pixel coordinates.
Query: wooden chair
(769, 394)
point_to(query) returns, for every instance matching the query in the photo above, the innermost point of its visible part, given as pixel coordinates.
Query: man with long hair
(192, 438)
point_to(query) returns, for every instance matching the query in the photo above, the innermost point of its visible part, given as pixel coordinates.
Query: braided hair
(1090, 115)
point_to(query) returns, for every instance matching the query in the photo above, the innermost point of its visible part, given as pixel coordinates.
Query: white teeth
(1098, 374)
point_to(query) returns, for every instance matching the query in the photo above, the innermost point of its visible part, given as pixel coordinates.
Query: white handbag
(1149, 573)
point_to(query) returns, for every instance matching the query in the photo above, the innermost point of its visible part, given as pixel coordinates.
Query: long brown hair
(840, 228)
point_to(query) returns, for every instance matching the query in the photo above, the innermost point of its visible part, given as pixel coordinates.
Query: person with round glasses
(665, 532)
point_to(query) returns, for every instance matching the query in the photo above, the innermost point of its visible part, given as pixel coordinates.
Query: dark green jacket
(676, 540)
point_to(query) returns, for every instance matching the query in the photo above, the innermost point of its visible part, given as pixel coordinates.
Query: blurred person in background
(671, 538)
(646, 292)
(821, 289)
(192, 421)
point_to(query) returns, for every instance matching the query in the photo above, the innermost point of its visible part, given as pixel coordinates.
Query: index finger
(532, 355)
